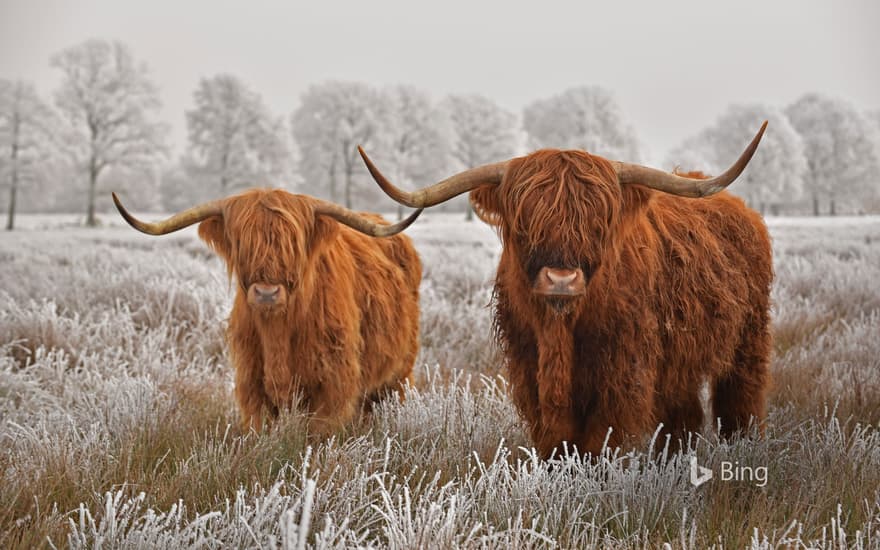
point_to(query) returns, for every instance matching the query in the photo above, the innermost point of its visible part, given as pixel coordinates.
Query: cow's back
(713, 282)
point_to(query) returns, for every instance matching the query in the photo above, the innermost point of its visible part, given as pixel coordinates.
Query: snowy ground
(117, 424)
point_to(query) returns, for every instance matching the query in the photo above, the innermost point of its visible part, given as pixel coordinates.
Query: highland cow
(324, 312)
(616, 299)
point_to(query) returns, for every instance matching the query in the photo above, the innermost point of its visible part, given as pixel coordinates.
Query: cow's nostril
(266, 293)
(561, 276)
(558, 281)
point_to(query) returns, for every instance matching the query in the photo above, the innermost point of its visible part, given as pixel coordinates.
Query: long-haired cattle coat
(614, 303)
(322, 311)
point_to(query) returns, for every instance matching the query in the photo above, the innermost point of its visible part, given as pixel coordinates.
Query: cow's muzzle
(555, 281)
(265, 295)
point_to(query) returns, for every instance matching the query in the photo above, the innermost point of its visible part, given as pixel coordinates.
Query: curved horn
(360, 223)
(686, 187)
(439, 192)
(175, 222)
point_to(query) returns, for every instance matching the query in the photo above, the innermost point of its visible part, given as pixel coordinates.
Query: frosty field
(118, 427)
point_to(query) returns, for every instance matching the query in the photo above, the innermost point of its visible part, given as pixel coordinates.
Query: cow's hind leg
(394, 388)
(738, 397)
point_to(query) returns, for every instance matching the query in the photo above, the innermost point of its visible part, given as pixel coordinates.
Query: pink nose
(554, 281)
(561, 277)
(266, 294)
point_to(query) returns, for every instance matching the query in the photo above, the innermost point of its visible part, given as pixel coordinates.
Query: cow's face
(267, 239)
(556, 211)
(270, 239)
(559, 212)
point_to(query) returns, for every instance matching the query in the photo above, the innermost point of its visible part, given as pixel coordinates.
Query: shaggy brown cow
(323, 309)
(614, 303)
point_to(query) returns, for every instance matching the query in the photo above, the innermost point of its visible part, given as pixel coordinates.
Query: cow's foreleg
(253, 402)
(555, 365)
(255, 410)
(620, 412)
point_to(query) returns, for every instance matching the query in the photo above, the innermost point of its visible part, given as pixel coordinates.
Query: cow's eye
(588, 269)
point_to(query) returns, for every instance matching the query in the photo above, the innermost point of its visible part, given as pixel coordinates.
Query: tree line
(102, 130)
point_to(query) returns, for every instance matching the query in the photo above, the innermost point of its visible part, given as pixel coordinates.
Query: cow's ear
(325, 230)
(484, 201)
(213, 232)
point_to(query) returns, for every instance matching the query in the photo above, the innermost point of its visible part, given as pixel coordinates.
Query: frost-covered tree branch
(482, 132)
(587, 118)
(112, 108)
(27, 130)
(332, 120)
(841, 150)
(775, 175)
(234, 139)
(415, 136)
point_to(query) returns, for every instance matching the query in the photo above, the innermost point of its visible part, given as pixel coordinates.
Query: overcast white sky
(673, 65)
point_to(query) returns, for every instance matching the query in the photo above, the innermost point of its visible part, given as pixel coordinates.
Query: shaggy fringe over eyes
(561, 200)
(269, 234)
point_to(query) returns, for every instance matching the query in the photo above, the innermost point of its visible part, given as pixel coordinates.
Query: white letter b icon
(699, 475)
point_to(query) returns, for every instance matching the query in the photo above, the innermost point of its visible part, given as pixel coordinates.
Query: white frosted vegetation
(118, 427)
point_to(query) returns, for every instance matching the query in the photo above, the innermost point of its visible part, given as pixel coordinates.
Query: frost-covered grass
(118, 427)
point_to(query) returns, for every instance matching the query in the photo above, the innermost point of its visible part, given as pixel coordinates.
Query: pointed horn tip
(371, 168)
(753, 146)
(364, 156)
(761, 131)
(131, 220)
(401, 226)
(398, 195)
(122, 210)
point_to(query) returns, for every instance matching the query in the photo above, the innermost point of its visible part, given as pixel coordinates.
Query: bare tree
(482, 132)
(26, 134)
(840, 148)
(233, 138)
(111, 106)
(873, 191)
(415, 143)
(332, 120)
(774, 177)
(585, 117)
